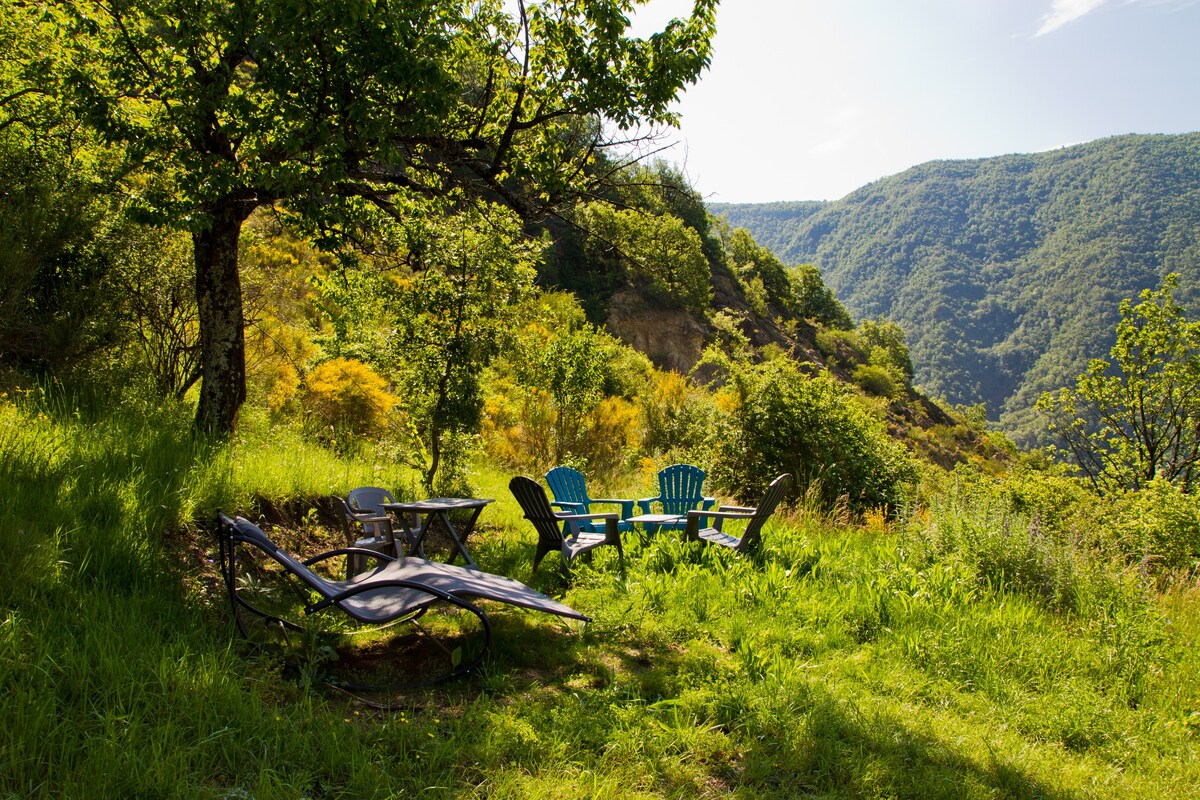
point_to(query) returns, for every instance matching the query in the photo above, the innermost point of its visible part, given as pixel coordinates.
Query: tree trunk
(219, 302)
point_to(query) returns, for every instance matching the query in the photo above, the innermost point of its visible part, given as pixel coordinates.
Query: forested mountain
(772, 224)
(1005, 272)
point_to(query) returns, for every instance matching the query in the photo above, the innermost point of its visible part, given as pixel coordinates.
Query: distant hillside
(772, 224)
(1006, 272)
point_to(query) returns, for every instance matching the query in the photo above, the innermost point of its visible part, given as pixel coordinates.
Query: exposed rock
(671, 337)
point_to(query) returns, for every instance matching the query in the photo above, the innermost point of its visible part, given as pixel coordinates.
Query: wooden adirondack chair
(550, 525)
(571, 495)
(757, 516)
(680, 490)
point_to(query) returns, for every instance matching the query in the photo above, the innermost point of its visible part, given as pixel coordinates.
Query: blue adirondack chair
(680, 490)
(570, 494)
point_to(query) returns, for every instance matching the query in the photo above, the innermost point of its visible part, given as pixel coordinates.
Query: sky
(809, 99)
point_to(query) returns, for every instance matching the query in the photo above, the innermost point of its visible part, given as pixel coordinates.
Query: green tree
(569, 366)
(52, 205)
(341, 110)
(814, 300)
(451, 317)
(1137, 417)
(656, 250)
(756, 266)
(155, 282)
(885, 345)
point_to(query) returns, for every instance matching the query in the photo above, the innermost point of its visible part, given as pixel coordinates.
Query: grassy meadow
(959, 651)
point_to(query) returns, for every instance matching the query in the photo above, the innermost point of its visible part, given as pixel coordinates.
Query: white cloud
(1063, 12)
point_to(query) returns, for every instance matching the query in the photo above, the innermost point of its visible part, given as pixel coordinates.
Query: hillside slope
(772, 224)
(1006, 272)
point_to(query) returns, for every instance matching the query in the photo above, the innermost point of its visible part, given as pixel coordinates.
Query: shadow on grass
(834, 750)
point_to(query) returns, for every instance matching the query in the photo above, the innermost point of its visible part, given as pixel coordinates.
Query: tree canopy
(346, 113)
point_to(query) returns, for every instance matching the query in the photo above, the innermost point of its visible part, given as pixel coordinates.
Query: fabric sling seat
(399, 590)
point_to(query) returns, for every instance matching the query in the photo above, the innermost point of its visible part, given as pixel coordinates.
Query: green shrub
(875, 380)
(675, 414)
(1035, 534)
(1159, 526)
(814, 429)
(843, 345)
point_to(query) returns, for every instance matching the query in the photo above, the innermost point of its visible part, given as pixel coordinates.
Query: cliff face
(672, 338)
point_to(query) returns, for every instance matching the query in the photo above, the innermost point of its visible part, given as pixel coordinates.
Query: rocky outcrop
(672, 338)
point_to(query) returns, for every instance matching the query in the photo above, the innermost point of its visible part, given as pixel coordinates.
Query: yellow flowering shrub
(348, 395)
(273, 351)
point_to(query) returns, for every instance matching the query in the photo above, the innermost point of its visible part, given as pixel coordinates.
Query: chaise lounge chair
(399, 591)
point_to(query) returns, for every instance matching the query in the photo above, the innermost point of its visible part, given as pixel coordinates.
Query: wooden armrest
(723, 514)
(737, 508)
(608, 515)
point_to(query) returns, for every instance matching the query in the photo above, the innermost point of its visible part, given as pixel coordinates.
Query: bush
(347, 395)
(812, 428)
(612, 433)
(1159, 526)
(1064, 507)
(840, 345)
(1018, 533)
(875, 380)
(676, 415)
(521, 431)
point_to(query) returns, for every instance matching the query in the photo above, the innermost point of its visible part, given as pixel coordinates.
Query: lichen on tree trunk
(219, 302)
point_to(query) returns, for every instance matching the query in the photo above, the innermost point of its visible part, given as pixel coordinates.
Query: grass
(839, 661)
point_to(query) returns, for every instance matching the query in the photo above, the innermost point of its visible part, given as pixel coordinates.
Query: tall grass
(837, 661)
